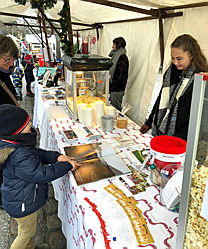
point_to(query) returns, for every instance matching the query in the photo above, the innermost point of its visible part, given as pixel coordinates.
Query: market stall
(123, 211)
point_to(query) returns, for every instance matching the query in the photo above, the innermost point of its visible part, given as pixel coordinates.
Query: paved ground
(5, 237)
(4, 229)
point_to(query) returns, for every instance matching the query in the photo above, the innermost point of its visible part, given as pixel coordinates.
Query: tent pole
(49, 21)
(35, 18)
(33, 30)
(77, 34)
(161, 37)
(165, 15)
(24, 25)
(186, 6)
(151, 12)
(41, 34)
(46, 38)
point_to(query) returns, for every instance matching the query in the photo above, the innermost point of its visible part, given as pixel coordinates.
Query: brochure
(81, 133)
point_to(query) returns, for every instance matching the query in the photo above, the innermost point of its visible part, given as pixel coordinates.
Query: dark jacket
(4, 97)
(28, 71)
(26, 172)
(120, 76)
(184, 105)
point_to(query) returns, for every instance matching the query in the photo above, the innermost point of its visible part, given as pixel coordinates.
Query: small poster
(98, 161)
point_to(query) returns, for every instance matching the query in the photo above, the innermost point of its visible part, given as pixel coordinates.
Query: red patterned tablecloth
(91, 217)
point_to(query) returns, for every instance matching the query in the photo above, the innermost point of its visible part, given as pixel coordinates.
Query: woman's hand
(64, 158)
(144, 129)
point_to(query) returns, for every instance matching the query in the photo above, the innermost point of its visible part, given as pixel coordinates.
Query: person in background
(24, 49)
(118, 72)
(26, 171)
(28, 70)
(58, 74)
(35, 59)
(171, 111)
(17, 76)
(8, 54)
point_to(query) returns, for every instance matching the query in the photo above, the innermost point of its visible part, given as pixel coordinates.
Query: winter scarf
(115, 54)
(24, 139)
(170, 95)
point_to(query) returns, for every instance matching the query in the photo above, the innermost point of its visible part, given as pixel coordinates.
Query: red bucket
(167, 150)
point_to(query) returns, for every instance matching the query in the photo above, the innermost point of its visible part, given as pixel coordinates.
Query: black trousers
(28, 87)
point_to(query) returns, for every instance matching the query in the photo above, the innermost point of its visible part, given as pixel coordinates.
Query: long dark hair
(189, 44)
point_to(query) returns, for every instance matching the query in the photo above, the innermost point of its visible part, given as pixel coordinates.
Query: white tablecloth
(91, 217)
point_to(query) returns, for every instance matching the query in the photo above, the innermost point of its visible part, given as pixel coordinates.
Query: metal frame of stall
(200, 82)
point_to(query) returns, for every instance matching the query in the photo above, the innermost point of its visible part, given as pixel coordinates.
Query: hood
(5, 150)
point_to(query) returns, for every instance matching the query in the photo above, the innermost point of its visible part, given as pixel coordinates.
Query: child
(26, 172)
(29, 76)
(17, 76)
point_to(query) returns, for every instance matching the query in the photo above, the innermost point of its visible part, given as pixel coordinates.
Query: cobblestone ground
(5, 220)
(4, 229)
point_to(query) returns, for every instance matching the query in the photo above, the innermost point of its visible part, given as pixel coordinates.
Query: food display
(193, 212)
(197, 226)
(89, 109)
(87, 82)
(85, 99)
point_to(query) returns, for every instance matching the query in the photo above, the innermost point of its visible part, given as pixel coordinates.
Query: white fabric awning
(142, 38)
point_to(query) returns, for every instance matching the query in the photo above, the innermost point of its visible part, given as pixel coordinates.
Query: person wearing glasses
(8, 54)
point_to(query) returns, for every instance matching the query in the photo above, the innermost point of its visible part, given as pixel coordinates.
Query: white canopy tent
(142, 37)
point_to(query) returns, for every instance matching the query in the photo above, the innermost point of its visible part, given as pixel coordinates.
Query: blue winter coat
(26, 173)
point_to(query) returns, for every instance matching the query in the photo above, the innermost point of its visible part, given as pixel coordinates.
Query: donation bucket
(166, 151)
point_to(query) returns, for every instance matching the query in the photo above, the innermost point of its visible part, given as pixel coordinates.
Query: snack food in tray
(85, 99)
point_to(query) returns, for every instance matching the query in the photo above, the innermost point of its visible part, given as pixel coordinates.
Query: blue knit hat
(13, 119)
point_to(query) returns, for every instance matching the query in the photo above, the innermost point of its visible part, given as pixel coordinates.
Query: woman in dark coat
(118, 72)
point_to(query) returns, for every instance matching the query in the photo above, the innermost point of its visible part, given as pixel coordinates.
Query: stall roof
(143, 38)
(85, 11)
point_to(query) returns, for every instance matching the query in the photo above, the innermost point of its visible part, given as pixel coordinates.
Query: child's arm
(28, 168)
(48, 156)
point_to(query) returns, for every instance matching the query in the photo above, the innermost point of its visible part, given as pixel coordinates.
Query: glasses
(7, 60)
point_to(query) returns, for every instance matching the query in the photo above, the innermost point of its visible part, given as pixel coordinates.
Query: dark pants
(28, 87)
(116, 99)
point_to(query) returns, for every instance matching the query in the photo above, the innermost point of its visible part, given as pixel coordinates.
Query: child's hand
(64, 158)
